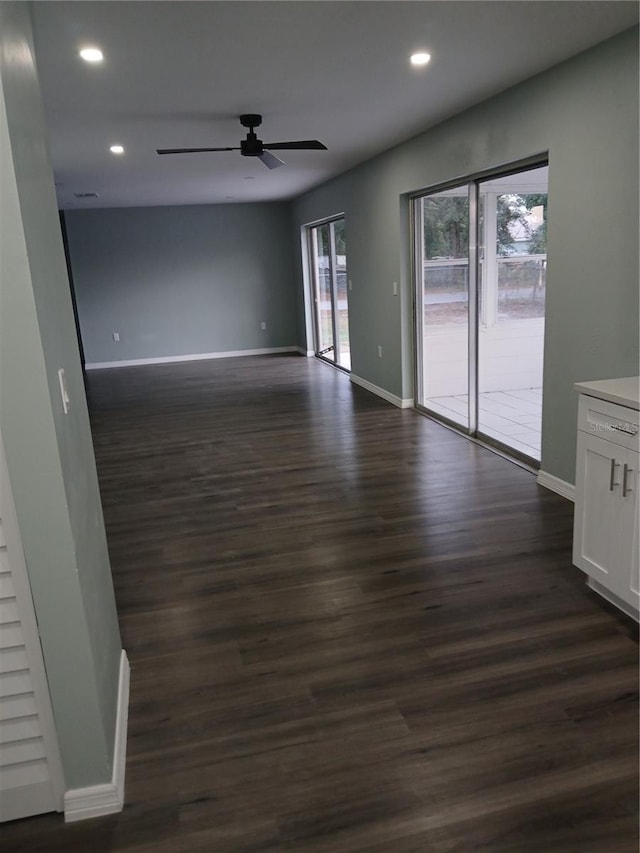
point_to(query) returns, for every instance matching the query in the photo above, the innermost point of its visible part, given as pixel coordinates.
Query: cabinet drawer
(613, 423)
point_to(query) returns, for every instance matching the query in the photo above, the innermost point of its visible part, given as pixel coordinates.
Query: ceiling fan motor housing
(251, 146)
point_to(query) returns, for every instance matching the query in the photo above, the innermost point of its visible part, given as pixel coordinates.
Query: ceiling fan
(254, 147)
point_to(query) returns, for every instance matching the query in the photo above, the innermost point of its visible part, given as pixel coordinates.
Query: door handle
(612, 474)
(625, 473)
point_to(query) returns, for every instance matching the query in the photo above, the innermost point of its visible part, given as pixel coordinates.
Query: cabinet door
(597, 546)
(629, 589)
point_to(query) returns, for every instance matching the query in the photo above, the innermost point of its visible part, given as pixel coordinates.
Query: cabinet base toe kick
(612, 598)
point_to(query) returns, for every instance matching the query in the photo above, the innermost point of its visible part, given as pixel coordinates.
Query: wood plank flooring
(349, 629)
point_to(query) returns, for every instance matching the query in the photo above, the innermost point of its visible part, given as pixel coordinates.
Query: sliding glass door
(481, 279)
(444, 303)
(512, 286)
(328, 253)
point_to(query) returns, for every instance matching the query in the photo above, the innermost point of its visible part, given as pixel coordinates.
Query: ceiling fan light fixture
(420, 58)
(91, 54)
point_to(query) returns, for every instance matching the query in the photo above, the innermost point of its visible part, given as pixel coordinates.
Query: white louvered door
(31, 779)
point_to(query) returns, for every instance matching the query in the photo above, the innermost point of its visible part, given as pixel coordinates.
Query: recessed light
(91, 54)
(117, 149)
(420, 58)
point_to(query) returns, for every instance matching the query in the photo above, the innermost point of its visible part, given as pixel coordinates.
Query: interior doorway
(328, 255)
(481, 262)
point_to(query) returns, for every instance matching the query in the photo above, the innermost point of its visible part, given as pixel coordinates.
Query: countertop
(624, 392)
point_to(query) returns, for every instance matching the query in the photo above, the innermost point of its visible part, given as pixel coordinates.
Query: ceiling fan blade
(270, 160)
(191, 150)
(302, 144)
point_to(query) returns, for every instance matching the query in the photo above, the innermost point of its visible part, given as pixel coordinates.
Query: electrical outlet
(379, 352)
(116, 336)
(263, 325)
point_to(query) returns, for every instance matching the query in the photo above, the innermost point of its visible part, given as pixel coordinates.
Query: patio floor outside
(511, 417)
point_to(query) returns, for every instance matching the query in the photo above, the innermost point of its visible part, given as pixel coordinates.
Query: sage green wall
(176, 281)
(50, 454)
(584, 113)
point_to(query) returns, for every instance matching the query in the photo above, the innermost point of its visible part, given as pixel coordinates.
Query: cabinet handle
(612, 474)
(630, 429)
(625, 488)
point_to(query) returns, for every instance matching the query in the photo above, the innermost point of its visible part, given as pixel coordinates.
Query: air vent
(86, 195)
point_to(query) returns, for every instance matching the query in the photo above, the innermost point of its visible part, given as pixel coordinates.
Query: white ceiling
(178, 74)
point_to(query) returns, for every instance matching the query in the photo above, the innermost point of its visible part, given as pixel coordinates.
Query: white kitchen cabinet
(605, 542)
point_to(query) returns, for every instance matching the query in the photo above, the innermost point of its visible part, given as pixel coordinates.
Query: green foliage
(446, 224)
(510, 211)
(339, 231)
(538, 238)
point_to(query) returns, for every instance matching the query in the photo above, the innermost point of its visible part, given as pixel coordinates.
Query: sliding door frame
(333, 277)
(472, 315)
(312, 254)
(472, 184)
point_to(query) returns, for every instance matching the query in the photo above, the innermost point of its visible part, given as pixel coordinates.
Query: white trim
(199, 356)
(122, 720)
(400, 402)
(306, 352)
(108, 798)
(307, 289)
(555, 484)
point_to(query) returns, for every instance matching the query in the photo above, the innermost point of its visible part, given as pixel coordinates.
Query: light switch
(63, 391)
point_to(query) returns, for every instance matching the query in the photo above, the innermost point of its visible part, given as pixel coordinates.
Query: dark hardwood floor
(349, 629)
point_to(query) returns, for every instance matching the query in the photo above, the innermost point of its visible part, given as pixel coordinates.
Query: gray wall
(182, 280)
(584, 113)
(50, 454)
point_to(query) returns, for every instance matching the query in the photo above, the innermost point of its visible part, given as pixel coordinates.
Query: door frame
(472, 183)
(310, 246)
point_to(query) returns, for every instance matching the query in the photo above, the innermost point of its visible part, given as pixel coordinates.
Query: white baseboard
(401, 403)
(555, 484)
(199, 356)
(108, 798)
(306, 352)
